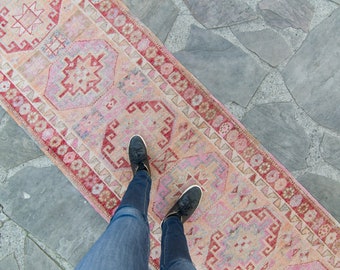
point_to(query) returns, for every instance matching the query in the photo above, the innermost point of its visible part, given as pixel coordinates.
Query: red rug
(83, 78)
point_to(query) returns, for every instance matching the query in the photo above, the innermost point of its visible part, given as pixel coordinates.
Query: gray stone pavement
(275, 64)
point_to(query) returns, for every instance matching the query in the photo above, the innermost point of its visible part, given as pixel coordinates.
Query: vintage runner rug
(84, 76)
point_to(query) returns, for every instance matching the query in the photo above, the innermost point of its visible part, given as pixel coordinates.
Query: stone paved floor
(275, 64)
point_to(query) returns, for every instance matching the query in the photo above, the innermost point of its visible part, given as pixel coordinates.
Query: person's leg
(137, 194)
(125, 244)
(175, 253)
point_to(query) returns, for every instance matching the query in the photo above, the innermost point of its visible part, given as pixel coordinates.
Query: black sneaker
(138, 155)
(186, 204)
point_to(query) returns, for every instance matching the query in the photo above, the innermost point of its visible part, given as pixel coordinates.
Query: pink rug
(83, 78)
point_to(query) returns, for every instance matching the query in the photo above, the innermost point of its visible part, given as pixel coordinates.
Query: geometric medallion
(250, 238)
(83, 74)
(27, 24)
(153, 119)
(191, 171)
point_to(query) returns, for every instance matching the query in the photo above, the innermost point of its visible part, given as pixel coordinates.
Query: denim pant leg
(125, 244)
(175, 253)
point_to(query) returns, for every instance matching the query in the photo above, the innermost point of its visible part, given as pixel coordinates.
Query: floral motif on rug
(84, 76)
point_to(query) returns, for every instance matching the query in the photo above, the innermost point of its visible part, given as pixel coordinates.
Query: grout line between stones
(53, 255)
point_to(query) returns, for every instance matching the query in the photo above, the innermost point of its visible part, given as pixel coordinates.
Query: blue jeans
(125, 244)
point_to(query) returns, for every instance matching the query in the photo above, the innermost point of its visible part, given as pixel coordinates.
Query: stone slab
(16, 147)
(9, 263)
(313, 74)
(287, 13)
(217, 13)
(12, 239)
(44, 202)
(325, 190)
(35, 258)
(330, 150)
(228, 72)
(159, 16)
(275, 126)
(267, 44)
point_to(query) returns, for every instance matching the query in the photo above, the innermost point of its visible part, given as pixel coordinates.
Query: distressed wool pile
(84, 76)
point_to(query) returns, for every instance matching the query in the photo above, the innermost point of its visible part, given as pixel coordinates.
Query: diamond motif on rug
(80, 77)
(250, 237)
